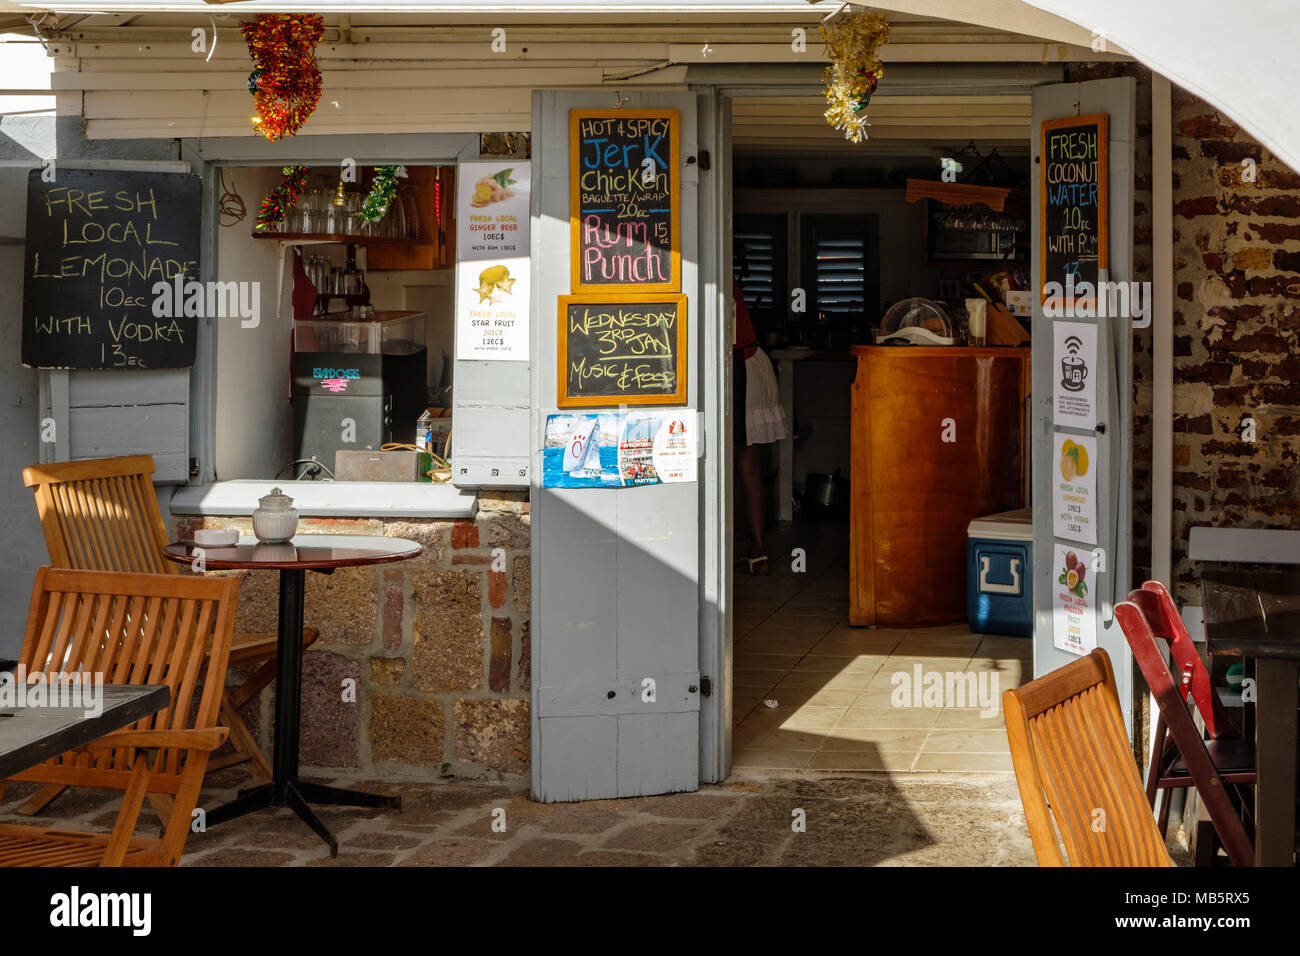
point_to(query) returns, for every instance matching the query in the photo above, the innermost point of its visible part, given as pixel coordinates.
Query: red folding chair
(1185, 759)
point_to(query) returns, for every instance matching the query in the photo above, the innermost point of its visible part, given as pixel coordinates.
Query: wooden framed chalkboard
(624, 188)
(97, 243)
(622, 350)
(1075, 202)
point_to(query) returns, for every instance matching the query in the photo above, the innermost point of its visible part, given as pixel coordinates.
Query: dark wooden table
(30, 735)
(306, 552)
(1256, 614)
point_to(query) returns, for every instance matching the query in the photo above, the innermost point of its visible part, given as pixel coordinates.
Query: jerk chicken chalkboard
(624, 217)
(624, 350)
(1074, 204)
(98, 243)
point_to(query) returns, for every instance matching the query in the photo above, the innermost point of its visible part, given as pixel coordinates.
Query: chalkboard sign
(1074, 203)
(625, 351)
(624, 216)
(97, 243)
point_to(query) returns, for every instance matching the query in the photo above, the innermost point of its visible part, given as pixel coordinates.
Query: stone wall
(1236, 323)
(437, 648)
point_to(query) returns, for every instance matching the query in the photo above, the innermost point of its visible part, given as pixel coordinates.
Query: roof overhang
(1238, 58)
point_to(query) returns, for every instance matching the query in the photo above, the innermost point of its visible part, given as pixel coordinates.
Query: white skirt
(764, 416)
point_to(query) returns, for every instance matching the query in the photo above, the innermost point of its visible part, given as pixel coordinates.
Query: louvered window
(759, 264)
(841, 260)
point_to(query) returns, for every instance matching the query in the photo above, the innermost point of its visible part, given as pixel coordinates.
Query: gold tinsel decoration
(851, 43)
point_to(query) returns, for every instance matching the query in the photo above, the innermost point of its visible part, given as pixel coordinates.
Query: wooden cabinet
(913, 492)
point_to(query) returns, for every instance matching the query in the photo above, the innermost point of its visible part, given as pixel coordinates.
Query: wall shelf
(339, 237)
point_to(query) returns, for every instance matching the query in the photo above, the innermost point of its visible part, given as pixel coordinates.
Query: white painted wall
(27, 135)
(254, 427)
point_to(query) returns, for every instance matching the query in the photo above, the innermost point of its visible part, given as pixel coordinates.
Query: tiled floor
(844, 695)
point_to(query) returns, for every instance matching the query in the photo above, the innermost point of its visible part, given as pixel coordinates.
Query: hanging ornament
(855, 70)
(282, 198)
(382, 191)
(285, 82)
(872, 79)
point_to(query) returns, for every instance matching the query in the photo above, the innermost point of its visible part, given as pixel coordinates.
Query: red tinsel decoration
(286, 82)
(283, 198)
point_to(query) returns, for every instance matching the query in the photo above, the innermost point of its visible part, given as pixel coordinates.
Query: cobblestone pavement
(864, 820)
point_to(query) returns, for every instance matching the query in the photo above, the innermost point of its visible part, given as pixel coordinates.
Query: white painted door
(616, 571)
(1105, 554)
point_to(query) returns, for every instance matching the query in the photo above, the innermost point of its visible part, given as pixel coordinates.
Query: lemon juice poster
(492, 288)
(1074, 512)
(1074, 616)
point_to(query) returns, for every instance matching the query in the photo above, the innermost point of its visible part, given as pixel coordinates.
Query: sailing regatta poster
(619, 449)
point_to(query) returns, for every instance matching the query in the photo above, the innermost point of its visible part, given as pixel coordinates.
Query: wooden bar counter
(913, 492)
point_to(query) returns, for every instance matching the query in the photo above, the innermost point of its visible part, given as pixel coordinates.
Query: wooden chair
(1233, 756)
(102, 515)
(131, 629)
(1195, 765)
(1074, 768)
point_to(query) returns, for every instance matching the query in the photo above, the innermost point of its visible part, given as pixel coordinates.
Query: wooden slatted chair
(1078, 782)
(1209, 772)
(102, 515)
(131, 629)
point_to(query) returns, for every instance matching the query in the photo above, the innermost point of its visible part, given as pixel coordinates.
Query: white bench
(1237, 546)
(1248, 545)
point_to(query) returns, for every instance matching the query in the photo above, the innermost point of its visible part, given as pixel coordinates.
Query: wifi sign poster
(1074, 374)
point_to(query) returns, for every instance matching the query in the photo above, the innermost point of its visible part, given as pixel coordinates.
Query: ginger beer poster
(492, 259)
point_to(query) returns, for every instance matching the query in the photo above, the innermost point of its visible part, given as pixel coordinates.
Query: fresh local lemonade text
(109, 238)
(624, 184)
(633, 348)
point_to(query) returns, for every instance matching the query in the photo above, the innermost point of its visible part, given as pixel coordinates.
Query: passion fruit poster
(1074, 616)
(492, 260)
(1074, 497)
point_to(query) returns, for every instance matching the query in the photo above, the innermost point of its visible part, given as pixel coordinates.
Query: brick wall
(437, 648)
(1236, 322)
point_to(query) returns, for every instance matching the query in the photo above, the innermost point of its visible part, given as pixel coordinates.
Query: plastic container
(999, 585)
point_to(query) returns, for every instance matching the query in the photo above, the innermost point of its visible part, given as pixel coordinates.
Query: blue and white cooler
(999, 596)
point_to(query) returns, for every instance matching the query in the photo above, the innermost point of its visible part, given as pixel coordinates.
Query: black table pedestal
(285, 789)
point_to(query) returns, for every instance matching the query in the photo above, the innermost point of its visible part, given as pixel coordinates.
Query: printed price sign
(492, 274)
(1074, 488)
(1074, 616)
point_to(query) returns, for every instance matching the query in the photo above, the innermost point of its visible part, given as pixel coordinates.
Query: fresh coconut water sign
(492, 287)
(1074, 616)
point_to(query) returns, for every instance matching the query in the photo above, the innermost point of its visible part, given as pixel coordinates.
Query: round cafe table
(293, 559)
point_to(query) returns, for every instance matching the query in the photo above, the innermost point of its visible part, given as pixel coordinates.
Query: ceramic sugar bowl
(276, 519)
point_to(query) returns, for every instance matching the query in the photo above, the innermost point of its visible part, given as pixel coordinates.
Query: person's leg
(749, 473)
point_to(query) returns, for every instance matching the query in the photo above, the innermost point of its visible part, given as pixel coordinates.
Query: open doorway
(825, 244)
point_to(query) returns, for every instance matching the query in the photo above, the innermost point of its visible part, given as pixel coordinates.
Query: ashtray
(216, 537)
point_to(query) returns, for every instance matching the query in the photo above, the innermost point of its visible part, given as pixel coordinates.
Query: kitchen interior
(351, 381)
(888, 283)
